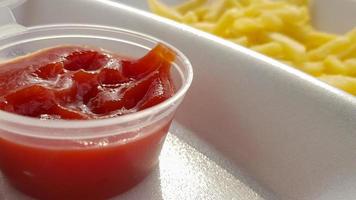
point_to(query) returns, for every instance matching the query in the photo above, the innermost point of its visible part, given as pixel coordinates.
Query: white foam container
(249, 128)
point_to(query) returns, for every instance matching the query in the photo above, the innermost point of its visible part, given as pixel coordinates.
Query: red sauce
(82, 83)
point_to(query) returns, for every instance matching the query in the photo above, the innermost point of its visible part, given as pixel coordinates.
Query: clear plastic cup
(85, 159)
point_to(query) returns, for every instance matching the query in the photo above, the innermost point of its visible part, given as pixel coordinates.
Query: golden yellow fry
(332, 47)
(255, 9)
(164, 10)
(241, 41)
(271, 22)
(299, 2)
(313, 68)
(273, 49)
(257, 38)
(267, 6)
(253, 2)
(345, 83)
(316, 38)
(201, 12)
(298, 32)
(287, 62)
(189, 5)
(204, 26)
(246, 25)
(292, 14)
(351, 66)
(352, 35)
(349, 52)
(334, 66)
(293, 49)
(226, 20)
(190, 18)
(218, 9)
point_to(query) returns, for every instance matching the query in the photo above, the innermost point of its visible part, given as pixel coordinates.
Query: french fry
(349, 52)
(246, 25)
(273, 49)
(332, 47)
(190, 18)
(241, 40)
(345, 83)
(293, 49)
(219, 8)
(204, 26)
(271, 22)
(351, 66)
(164, 10)
(313, 68)
(226, 20)
(299, 2)
(189, 6)
(315, 39)
(334, 66)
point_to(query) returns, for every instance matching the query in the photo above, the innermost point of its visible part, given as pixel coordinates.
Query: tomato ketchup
(83, 83)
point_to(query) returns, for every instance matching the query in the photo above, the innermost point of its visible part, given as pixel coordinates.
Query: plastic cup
(85, 159)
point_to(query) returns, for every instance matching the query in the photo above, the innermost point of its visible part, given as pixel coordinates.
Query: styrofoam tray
(250, 127)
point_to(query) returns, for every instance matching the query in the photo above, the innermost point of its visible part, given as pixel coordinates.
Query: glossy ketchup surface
(82, 83)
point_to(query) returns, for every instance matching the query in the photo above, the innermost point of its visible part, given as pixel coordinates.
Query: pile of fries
(279, 29)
